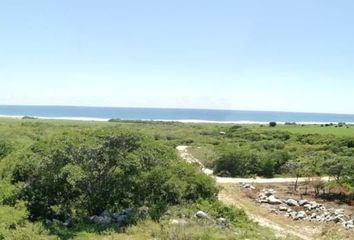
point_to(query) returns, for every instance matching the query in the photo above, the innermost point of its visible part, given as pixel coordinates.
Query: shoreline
(92, 119)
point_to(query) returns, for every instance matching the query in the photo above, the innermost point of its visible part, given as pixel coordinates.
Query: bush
(272, 124)
(5, 148)
(238, 163)
(83, 175)
(267, 168)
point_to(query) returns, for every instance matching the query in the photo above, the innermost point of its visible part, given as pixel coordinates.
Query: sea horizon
(192, 115)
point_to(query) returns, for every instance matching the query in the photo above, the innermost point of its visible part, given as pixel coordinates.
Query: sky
(294, 55)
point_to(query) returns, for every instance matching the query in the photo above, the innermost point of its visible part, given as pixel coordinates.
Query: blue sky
(295, 55)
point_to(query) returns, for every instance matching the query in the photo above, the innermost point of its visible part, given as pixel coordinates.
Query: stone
(301, 215)
(273, 200)
(180, 222)
(105, 213)
(340, 218)
(292, 202)
(303, 202)
(262, 200)
(293, 215)
(283, 208)
(174, 222)
(349, 224)
(121, 219)
(314, 205)
(339, 211)
(223, 222)
(68, 223)
(183, 222)
(101, 220)
(201, 215)
(127, 211)
(307, 206)
(262, 196)
(116, 215)
(143, 212)
(249, 186)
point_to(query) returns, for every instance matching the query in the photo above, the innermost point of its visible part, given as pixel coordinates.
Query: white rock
(293, 215)
(201, 215)
(222, 222)
(174, 222)
(273, 200)
(301, 215)
(181, 222)
(292, 202)
(283, 208)
(308, 206)
(339, 211)
(314, 205)
(249, 186)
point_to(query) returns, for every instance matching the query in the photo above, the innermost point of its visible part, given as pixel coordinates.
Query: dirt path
(183, 151)
(231, 194)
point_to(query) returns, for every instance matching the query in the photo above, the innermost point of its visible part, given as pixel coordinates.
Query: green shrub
(5, 148)
(238, 162)
(81, 174)
(272, 124)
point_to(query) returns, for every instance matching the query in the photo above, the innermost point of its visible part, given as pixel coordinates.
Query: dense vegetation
(246, 151)
(55, 175)
(266, 153)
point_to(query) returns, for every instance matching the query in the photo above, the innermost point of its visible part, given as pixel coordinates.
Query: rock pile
(223, 222)
(268, 196)
(119, 218)
(305, 210)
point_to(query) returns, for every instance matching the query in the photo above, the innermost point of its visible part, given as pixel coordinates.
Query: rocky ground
(124, 217)
(302, 209)
(289, 215)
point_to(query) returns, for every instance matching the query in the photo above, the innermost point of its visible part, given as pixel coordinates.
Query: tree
(341, 168)
(272, 124)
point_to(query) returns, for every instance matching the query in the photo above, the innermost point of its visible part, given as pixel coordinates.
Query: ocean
(170, 114)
